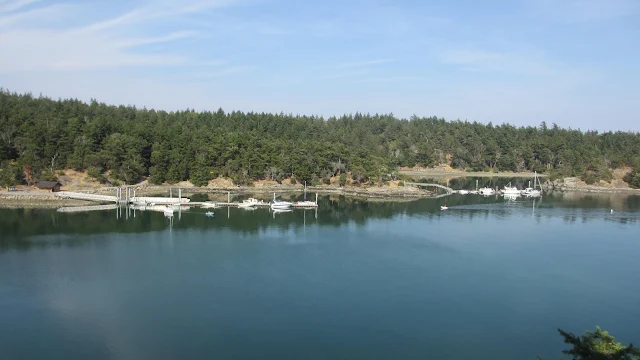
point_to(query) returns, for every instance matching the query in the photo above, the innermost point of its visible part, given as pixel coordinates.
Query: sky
(575, 63)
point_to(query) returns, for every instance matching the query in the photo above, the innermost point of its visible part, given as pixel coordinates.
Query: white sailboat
(532, 191)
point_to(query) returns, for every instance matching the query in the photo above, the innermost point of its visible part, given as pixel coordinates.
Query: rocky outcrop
(576, 184)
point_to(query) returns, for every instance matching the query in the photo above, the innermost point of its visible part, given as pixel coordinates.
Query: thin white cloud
(36, 17)
(491, 61)
(154, 40)
(158, 10)
(29, 43)
(9, 6)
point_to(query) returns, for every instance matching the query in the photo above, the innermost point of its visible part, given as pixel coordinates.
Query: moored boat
(281, 205)
(249, 203)
(486, 191)
(532, 191)
(510, 190)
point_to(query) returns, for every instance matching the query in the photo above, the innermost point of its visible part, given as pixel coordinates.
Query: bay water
(354, 279)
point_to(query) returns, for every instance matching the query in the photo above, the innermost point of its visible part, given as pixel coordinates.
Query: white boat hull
(280, 206)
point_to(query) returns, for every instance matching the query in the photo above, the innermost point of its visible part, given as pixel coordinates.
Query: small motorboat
(444, 207)
(209, 213)
(280, 205)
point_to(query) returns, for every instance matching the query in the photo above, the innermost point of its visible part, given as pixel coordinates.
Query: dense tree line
(40, 136)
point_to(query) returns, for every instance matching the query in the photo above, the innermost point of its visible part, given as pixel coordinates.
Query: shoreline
(35, 199)
(458, 174)
(41, 200)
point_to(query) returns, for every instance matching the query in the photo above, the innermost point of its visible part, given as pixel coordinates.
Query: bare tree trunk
(53, 161)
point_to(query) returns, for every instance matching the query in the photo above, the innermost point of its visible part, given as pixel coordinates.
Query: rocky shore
(575, 184)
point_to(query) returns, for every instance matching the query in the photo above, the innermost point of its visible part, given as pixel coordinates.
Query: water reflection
(475, 183)
(20, 228)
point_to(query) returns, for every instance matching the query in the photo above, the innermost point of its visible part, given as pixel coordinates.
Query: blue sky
(572, 62)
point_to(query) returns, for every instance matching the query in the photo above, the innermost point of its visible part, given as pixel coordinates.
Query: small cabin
(52, 186)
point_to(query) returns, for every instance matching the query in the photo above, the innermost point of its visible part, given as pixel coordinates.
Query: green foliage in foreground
(598, 345)
(126, 144)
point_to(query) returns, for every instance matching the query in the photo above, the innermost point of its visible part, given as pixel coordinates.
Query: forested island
(123, 144)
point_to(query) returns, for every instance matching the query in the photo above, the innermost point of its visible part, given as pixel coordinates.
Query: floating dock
(159, 203)
(87, 208)
(258, 205)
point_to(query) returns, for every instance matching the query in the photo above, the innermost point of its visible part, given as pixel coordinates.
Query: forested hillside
(39, 136)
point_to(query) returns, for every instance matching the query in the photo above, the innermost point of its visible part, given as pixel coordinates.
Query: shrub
(606, 175)
(401, 183)
(589, 177)
(96, 173)
(293, 180)
(343, 179)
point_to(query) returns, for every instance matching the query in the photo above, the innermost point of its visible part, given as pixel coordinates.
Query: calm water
(487, 279)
